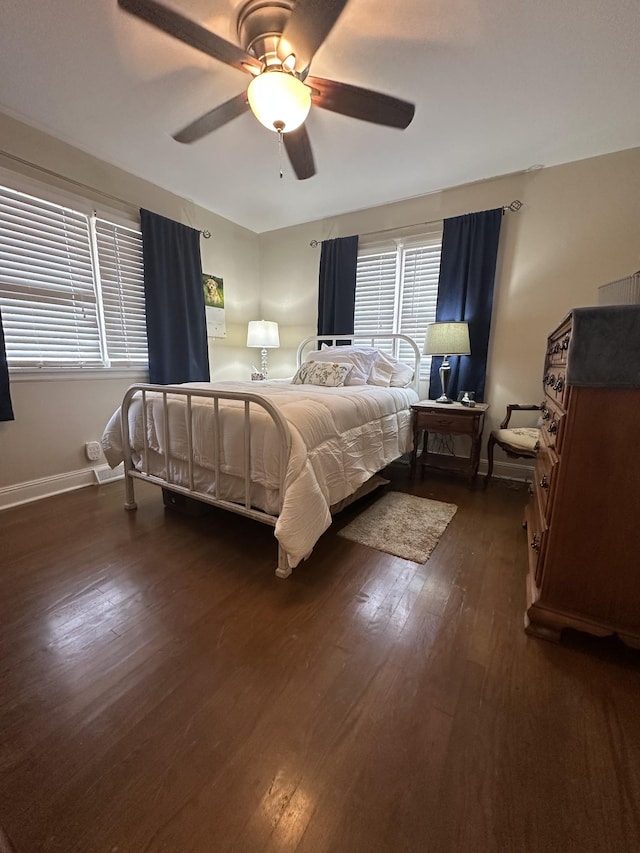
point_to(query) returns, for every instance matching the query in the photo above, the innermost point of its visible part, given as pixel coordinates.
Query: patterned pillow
(321, 373)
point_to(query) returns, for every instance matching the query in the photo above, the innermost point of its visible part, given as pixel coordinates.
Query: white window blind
(397, 288)
(120, 276)
(47, 293)
(71, 287)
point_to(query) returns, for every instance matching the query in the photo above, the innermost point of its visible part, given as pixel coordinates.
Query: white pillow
(361, 362)
(381, 372)
(326, 373)
(402, 373)
(401, 376)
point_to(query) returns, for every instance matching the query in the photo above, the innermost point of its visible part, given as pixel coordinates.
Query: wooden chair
(516, 442)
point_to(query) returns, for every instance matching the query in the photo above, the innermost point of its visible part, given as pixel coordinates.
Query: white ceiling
(499, 86)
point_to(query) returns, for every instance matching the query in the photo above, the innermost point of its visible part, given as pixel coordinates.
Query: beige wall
(579, 227)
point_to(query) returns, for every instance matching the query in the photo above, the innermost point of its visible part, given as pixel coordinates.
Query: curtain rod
(51, 173)
(515, 205)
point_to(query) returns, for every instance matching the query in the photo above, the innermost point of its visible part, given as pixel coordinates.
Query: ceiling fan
(279, 39)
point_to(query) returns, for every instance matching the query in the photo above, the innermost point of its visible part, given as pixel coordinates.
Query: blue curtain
(337, 285)
(174, 301)
(6, 409)
(465, 292)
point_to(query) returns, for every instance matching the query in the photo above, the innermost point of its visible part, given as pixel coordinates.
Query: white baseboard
(508, 470)
(45, 487)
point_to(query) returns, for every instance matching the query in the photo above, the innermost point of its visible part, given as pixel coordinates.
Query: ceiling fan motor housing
(260, 25)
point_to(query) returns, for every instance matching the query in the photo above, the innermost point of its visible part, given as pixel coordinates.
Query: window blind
(121, 284)
(71, 287)
(47, 293)
(397, 288)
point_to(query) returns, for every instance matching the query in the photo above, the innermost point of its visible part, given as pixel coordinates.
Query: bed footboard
(140, 393)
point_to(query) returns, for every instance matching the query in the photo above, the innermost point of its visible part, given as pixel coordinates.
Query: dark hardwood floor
(161, 691)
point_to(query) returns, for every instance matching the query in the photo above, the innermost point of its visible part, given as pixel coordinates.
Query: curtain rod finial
(515, 205)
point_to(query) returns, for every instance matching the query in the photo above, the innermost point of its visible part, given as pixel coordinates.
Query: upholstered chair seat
(516, 442)
(520, 438)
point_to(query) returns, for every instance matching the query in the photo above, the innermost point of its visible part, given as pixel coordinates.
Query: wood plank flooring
(161, 691)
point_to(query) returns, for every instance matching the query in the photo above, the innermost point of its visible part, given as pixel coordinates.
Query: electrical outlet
(93, 450)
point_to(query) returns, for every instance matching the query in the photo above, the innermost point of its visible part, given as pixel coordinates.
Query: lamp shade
(447, 339)
(263, 333)
(279, 100)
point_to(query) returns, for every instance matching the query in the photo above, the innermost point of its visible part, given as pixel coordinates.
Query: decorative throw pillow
(322, 373)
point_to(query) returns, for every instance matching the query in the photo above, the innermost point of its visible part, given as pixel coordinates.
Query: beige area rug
(403, 525)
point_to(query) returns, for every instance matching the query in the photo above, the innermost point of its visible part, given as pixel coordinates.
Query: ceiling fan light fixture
(279, 100)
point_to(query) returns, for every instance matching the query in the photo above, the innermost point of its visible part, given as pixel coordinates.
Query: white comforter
(340, 438)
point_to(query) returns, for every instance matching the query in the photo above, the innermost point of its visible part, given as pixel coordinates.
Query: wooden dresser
(583, 519)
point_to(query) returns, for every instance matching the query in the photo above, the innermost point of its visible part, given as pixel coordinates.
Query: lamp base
(445, 372)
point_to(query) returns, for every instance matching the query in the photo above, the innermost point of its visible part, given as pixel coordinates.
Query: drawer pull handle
(545, 414)
(552, 428)
(535, 542)
(536, 446)
(549, 379)
(559, 384)
(544, 482)
(565, 342)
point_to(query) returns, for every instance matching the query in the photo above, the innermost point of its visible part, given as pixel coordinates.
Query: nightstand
(447, 419)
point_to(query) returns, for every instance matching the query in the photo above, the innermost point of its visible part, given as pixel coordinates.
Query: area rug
(403, 525)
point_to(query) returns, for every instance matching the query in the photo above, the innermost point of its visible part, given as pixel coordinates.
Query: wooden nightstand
(447, 419)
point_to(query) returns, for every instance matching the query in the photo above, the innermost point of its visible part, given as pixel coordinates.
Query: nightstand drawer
(447, 422)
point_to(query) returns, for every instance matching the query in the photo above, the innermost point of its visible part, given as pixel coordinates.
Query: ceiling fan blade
(298, 148)
(363, 104)
(190, 33)
(308, 26)
(213, 119)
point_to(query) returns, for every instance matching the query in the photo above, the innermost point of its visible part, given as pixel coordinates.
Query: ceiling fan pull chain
(279, 126)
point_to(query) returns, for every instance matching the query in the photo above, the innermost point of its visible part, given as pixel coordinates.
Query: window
(71, 287)
(397, 288)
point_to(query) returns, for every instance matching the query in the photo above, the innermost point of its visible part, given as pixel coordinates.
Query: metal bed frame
(250, 398)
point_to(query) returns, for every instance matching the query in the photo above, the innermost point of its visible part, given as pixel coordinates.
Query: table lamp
(446, 339)
(263, 334)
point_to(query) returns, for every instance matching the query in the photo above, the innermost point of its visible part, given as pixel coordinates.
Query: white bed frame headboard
(315, 341)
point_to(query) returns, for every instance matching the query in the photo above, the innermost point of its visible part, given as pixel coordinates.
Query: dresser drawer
(536, 538)
(555, 385)
(449, 422)
(552, 429)
(544, 478)
(558, 346)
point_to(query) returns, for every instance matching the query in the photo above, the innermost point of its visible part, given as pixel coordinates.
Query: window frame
(124, 219)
